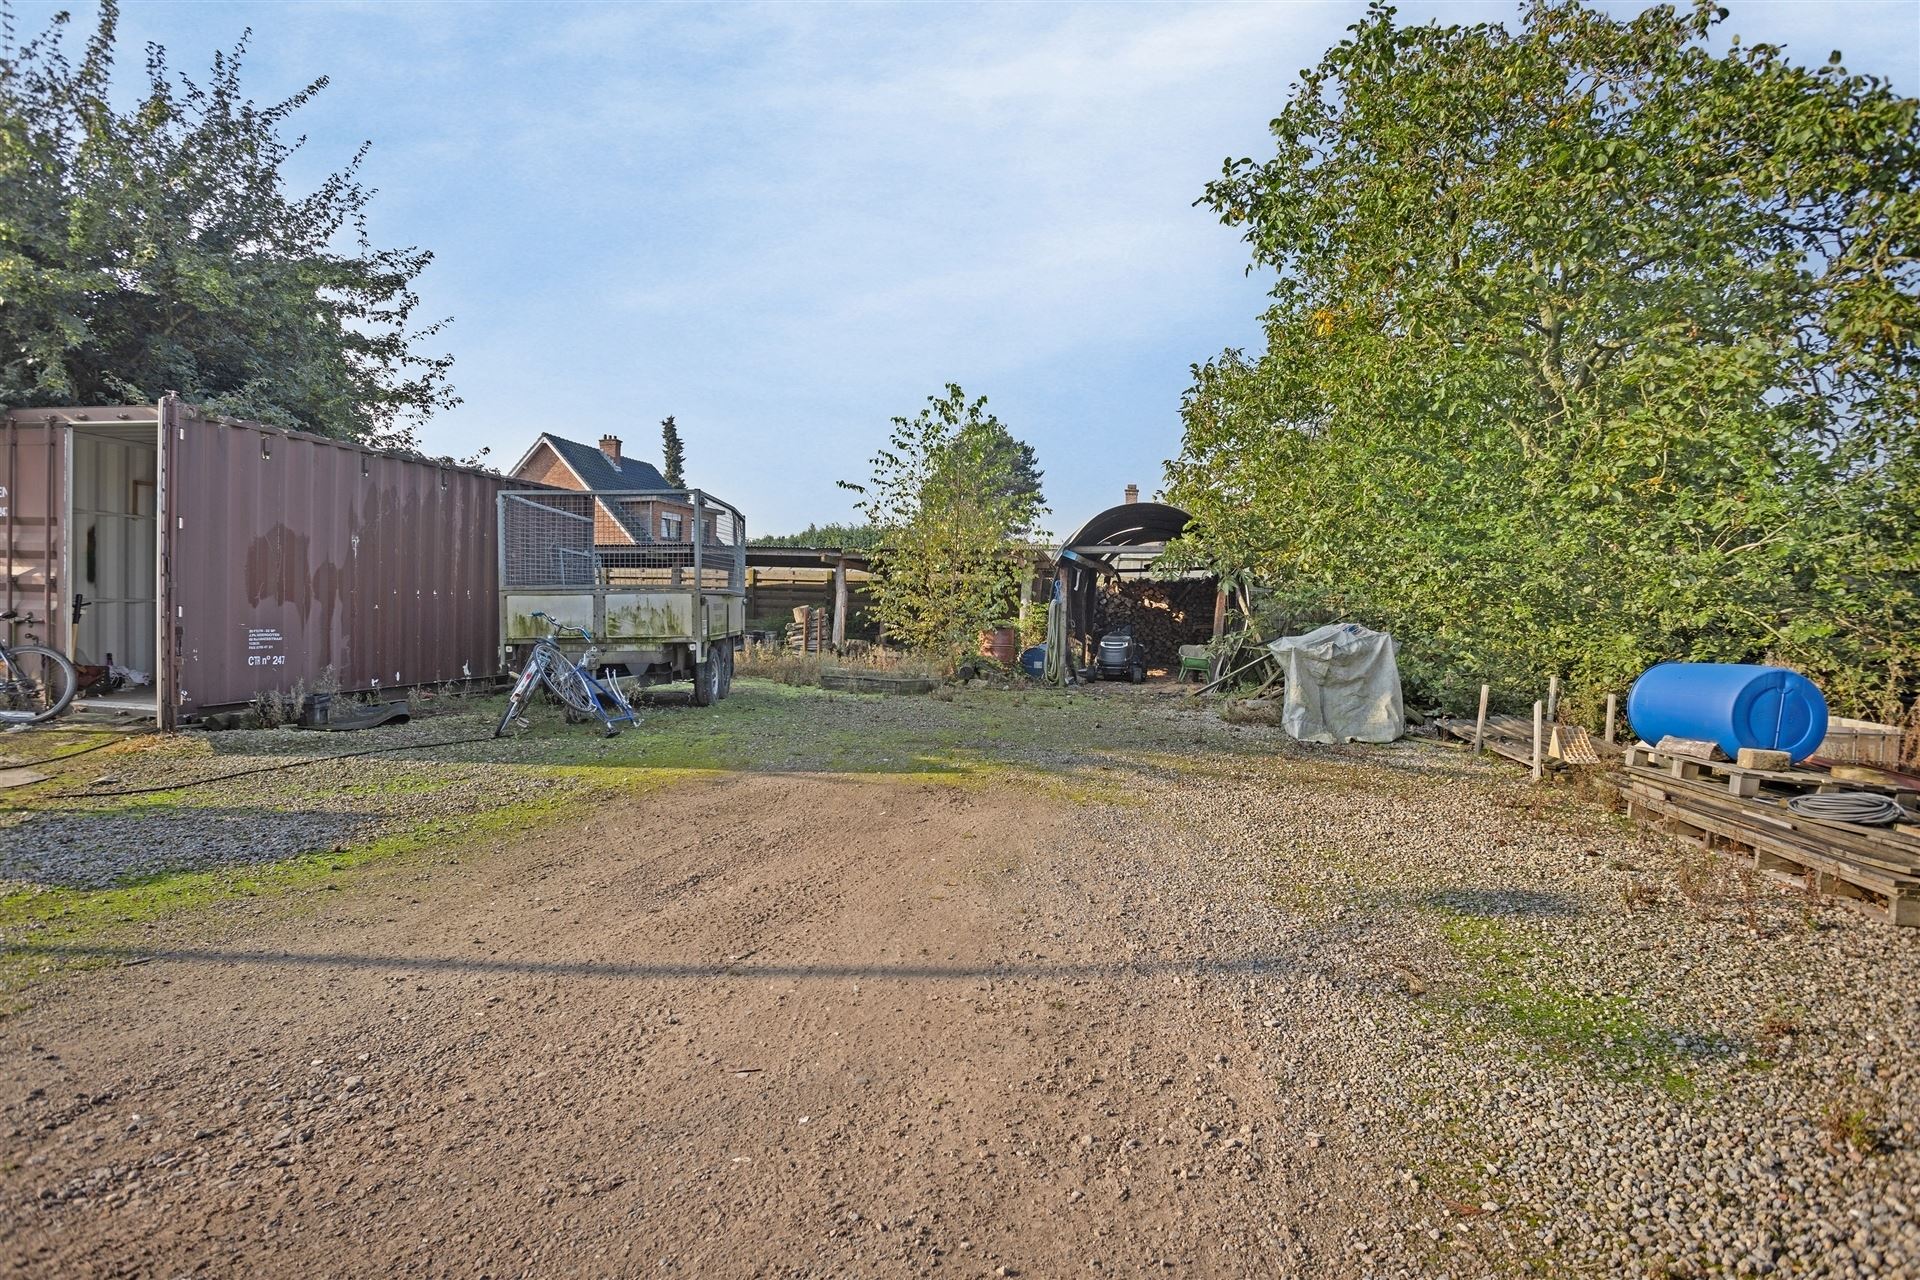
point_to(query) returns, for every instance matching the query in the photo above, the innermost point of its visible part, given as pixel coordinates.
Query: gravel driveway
(1153, 995)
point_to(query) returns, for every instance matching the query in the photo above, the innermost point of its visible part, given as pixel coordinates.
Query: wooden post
(1480, 724)
(1539, 726)
(839, 604)
(1553, 697)
(1613, 706)
(1219, 612)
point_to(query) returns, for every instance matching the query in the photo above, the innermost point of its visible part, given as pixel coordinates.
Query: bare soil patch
(764, 1025)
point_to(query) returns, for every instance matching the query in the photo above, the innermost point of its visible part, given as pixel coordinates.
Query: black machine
(1118, 656)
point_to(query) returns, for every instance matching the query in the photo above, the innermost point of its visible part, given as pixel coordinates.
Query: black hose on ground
(270, 768)
(119, 736)
(1862, 807)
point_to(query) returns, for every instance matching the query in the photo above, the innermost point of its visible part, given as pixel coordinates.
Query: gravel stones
(1721, 1079)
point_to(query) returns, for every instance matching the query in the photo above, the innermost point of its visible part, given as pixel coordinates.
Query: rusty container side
(296, 561)
(33, 513)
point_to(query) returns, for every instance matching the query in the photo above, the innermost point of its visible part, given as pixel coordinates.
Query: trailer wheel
(726, 670)
(706, 680)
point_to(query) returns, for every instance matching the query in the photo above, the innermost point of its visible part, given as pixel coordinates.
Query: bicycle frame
(608, 704)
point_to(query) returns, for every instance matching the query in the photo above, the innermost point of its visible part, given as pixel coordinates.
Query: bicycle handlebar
(560, 628)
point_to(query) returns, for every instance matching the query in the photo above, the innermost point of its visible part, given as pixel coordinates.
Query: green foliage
(953, 491)
(1589, 349)
(673, 455)
(845, 536)
(155, 249)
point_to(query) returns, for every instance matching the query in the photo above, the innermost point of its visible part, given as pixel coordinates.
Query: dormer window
(670, 526)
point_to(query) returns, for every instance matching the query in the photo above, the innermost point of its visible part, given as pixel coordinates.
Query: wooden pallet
(1875, 870)
(1747, 783)
(848, 680)
(1511, 737)
(1571, 743)
(1507, 736)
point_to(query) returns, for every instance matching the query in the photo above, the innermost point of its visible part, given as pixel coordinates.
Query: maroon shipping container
(228, 559)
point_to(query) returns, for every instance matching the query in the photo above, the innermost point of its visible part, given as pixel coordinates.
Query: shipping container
(225, 559)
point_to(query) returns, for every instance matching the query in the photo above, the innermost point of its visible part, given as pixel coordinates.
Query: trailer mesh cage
(599, 539)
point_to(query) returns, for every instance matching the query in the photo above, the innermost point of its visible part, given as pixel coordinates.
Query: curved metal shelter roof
(1131, 524)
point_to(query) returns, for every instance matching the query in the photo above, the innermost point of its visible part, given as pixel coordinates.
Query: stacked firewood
(809, 632)
(1163, 614)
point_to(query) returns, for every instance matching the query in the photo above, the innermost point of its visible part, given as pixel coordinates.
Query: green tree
(673, 455)
(157, 249)
(949, 499)
(846, 536)
(1014, 460)
(1589, 348)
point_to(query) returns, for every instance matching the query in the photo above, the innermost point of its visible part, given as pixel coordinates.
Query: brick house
(569, 464)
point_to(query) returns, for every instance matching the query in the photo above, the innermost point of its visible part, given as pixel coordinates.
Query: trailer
(657, 578)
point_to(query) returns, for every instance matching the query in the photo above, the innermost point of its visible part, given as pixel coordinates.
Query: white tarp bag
(1343, 685)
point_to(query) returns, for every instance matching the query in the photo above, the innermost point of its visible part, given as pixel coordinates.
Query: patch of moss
(47, 931)
(1510, 990)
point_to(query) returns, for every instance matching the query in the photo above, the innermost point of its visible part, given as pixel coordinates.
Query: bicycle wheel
(571, 687)
(522, 690)
(36, 684)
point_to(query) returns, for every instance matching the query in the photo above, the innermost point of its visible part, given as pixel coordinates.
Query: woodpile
(1163, 614)
(811, 630)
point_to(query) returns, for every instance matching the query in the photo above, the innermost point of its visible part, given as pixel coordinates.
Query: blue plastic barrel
(1735, 705)
(1034, 661)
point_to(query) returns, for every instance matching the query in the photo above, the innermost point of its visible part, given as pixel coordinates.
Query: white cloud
(786, 222)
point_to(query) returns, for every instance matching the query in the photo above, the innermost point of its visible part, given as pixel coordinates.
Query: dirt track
(826, 1026)
(1100, 986)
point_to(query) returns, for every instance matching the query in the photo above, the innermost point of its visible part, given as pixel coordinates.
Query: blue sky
(785, 224)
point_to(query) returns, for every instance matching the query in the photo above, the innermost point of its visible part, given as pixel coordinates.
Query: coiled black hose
(1862, 807)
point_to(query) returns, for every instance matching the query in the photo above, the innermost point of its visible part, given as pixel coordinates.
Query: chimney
(1133, 490)
(610, 445)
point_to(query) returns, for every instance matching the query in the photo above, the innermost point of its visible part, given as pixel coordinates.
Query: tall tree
(157, 249)
(1590, 347)
(673, 455)
(949, 498)
(1015, 461)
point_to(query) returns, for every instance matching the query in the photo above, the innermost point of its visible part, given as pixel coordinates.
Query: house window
(669, 528)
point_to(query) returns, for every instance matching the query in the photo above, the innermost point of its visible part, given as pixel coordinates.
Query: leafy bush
(1590, 348)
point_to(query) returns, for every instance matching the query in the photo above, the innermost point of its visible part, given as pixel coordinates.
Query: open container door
(33, 502)
(167, 640)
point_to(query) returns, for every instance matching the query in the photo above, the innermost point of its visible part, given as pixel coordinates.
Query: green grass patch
(768, 726)
(46, 931)
(1509, 991)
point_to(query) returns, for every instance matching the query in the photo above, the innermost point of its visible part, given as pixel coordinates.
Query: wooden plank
(1793, 846)
(1884, 842)
(1897, 903)
(1750, 780)
(1741, 824)
(1898, 857)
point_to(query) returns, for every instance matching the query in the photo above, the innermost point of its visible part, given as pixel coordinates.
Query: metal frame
(685, 567)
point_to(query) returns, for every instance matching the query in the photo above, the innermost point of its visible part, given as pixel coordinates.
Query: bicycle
(574, 683)
(36, 683)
